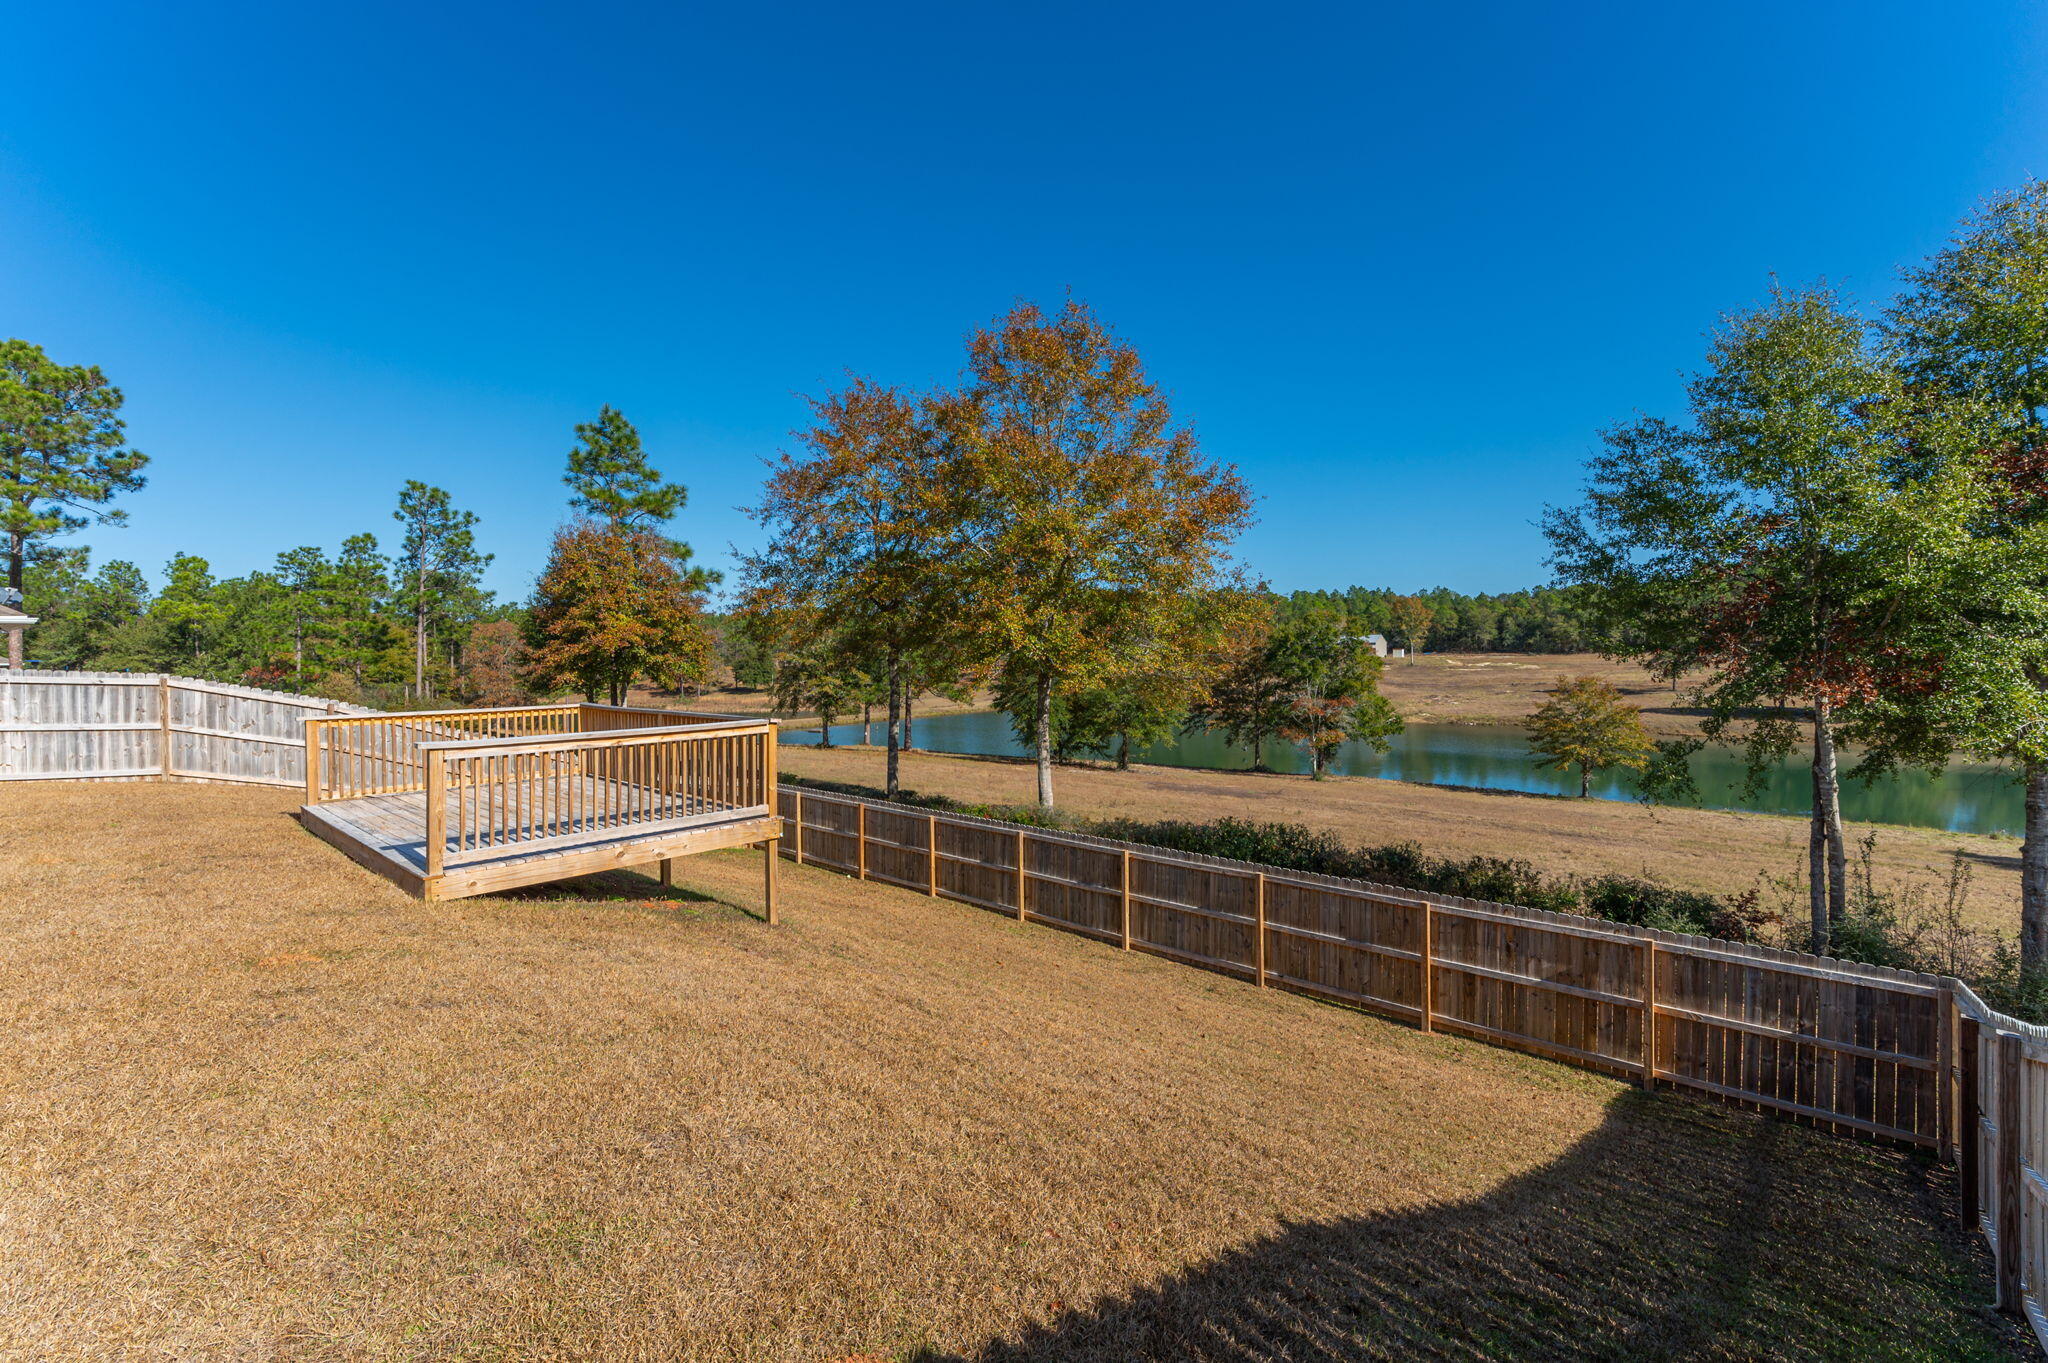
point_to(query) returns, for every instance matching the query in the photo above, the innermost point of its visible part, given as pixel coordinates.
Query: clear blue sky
(1398, 264)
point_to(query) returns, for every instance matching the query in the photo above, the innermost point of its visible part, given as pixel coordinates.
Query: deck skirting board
(384, 834)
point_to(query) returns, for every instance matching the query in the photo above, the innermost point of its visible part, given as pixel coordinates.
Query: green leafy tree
(1096, 532)
(1586, 724)
(305, 576)
(1972, 331)
(63, 456)
(819, 677)
(1761, 545)
(441, 571)
(612, 479)
(1411, 618)
(357, 592)
(1327, 691)
(187, 614)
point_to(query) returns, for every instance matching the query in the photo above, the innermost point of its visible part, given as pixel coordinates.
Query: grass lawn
(257, 1104)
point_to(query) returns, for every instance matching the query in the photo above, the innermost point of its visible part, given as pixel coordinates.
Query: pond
(1966, 798)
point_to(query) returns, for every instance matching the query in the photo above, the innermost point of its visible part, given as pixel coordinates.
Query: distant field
(257, 1104)
(1502, 688)
(1459, 688)
(1715, 850)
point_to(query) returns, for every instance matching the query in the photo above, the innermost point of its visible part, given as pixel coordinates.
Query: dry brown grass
(1714, 850)
(1503, 688)
(257, 1104)
(743, 700)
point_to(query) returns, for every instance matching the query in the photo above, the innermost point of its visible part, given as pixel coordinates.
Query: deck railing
(350, 757)
(489, 797)
(380, 754)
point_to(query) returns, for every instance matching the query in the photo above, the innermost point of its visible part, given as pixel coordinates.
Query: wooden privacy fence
(1849, 1047)
(2001, 1077)
(77, 726)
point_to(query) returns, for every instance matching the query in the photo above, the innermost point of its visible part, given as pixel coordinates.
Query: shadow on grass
(1676, 1231)
(643, 892)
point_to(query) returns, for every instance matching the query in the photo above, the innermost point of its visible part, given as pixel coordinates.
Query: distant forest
(1536, 620)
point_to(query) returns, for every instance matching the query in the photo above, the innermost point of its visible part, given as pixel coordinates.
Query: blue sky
(1400, 265)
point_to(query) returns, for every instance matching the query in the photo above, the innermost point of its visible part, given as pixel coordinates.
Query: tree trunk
(1817, 855)
(1828, 798)
(1123, 753)
(16, 650)
(867, 724)
(419, 628)
(909, 723)
(1585, 781)
(1042, 723)
(824, 728)
(2034, 873)
(895, 735)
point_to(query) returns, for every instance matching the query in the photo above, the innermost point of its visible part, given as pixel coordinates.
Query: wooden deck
(459, 803)
(386, 833)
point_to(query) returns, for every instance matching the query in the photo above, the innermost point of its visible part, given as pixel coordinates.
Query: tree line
(1536, 620)
(617, 602)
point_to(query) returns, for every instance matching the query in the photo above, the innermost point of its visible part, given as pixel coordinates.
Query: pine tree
(62, 456)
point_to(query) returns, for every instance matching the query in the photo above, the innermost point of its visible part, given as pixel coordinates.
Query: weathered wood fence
(1851, 1049)
(131, 726)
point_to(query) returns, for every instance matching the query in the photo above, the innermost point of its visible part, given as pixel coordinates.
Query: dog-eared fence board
(124, 725)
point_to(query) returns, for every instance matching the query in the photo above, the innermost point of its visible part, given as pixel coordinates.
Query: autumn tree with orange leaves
(611, 608)
(862, 570)
(1771, 544)
(1096, 537)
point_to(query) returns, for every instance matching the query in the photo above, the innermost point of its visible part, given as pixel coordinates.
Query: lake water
(1966, 798)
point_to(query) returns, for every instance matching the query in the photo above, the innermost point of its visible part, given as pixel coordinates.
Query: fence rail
(82, 726)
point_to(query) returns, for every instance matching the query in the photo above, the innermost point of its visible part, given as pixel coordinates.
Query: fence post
(2009, 1172)
(1020, 875)
(1972, 1133)
(1124, 894)
(860, 841)
(931, 853)
(1428, 973)
(163, 720)
(1649, 1013)
(313, 741)
(437, 809)
(799, 826)
(1259, 929)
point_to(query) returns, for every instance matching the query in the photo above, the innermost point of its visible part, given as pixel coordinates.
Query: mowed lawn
(256, 1104)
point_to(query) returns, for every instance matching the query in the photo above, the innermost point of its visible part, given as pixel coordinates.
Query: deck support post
(668, 873)
(773, 848)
